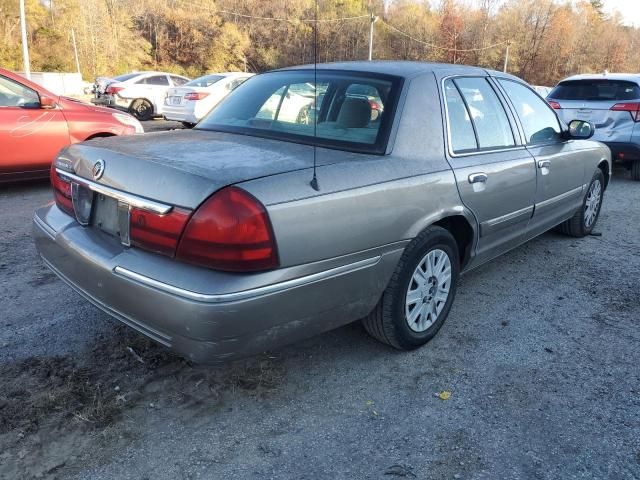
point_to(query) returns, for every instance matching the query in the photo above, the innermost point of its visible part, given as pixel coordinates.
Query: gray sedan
(253, 231)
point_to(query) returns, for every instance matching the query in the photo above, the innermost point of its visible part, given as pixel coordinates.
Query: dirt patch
(50, 407)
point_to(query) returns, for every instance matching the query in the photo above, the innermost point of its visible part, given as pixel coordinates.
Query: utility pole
(26, 66)
(75, 49)
(373, 19)
(506, 57)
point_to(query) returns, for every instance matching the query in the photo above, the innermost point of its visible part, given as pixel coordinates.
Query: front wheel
(584, 220)
(419, 296)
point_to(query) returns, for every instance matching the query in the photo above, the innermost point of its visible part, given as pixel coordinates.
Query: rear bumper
(623, 151)
(180, 114)
(219, 320)
(112, 101)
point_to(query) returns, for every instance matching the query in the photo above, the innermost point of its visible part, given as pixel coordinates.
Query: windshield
(350, 111)
(596, 90)
(125, 77)
(205, 81)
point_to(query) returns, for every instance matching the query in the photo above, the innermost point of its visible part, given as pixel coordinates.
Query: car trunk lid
(183, 167)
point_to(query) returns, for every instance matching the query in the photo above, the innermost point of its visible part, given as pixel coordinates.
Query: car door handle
(544, 164)
(478, 178)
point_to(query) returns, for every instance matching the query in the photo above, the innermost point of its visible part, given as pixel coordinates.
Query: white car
(141, 94)
(192, 101)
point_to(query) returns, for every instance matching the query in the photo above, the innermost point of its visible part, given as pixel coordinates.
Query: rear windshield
(125, 77)
(205, 81)
(344, 110)
(596, 90)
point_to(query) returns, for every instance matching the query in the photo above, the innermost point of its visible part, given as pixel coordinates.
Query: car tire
(188, 124)
(635, 170)
(141, 109)
(585, 219)
(394, 320)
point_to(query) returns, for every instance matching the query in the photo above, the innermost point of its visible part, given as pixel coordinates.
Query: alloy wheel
(428, 290)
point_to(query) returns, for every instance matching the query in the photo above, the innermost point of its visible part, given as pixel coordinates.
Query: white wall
(59, 83)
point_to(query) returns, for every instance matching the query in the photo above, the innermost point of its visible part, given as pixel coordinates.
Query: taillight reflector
(196, 95)
(61, 192)
(554, 105)
(632, 107)
(157, 233)
(230, 231)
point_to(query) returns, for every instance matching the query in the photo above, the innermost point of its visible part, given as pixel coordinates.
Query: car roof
(632, 77)
(397, 68)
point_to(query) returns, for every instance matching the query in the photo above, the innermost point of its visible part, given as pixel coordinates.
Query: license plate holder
(111, 216)
(176, 100)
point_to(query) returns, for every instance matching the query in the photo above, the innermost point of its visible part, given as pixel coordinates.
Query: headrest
(354, 113)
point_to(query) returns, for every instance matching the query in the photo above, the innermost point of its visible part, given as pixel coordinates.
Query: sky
(630, 10)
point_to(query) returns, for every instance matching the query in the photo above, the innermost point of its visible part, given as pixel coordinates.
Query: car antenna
(314, 181)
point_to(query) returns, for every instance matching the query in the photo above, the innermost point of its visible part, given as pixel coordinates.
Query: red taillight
(157, 233)
(61, 192)
(230, 231)
(196, 95)
(113, 90)
(554, 105)
(632, 107)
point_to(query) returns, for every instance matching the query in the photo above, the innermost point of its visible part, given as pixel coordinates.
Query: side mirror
(580, 130)
(47, 102)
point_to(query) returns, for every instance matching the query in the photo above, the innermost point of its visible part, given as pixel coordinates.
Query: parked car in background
(192, 101)
(256, 229)
(35, 124)
(612, 103)
(141, 94)
(542, 91)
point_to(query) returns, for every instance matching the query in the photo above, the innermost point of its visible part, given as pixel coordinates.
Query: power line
(438, 47)
(291, 20)
(273, 19)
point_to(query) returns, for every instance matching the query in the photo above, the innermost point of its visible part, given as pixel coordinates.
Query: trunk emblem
(98, 169)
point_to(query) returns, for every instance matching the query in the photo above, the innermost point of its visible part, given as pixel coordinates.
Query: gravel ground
(539, 355)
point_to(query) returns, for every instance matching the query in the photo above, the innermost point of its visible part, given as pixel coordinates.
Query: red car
(35, 124)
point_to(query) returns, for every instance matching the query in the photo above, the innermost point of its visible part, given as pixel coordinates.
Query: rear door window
(596, 90)
(487, 113)
(155, 80)
(538, 120)
(462, 136)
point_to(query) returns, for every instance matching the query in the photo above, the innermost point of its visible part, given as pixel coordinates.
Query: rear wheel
(635, 170)
(141, 109)
(584, 220)
(418, 298)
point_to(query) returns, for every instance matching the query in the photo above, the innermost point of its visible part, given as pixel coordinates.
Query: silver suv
(611, 102)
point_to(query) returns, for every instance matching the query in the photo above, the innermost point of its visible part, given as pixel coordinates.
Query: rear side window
(538, 120)
(596, 90)
(488, 115)
(345, 110)
(476, 117)
(155, 80)
(463, 139)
